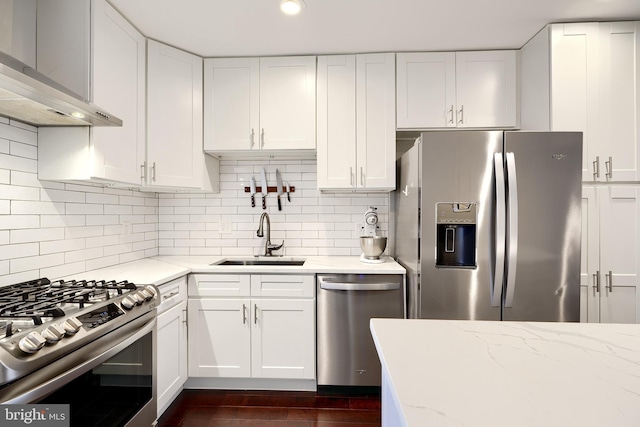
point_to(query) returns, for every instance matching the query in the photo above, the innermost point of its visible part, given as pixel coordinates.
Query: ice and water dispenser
(456, 234)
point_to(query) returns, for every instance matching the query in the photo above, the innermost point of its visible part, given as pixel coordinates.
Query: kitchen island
(481, 373)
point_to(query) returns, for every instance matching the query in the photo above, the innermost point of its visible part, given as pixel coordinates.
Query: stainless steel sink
(282, 262)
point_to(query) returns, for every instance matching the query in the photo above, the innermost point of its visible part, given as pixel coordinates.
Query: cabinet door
(119, 87)
(231, 104)
(336, 121)
(619, 255)
(283, 338)
(426, 90)
(590, 258)
(376, 121)
(486, 90)
(171, 354)
(174, 117)
(619, 137)
(288, 103)
(575, 87)
(219, 338)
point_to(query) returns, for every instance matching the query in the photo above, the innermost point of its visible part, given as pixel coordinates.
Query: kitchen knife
(253, 192)
(288, 191)
(279, 187)
(264, 189)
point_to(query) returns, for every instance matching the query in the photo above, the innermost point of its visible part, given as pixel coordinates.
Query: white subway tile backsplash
(84, 209)
(56, 246)
(12, 222)
(23, 150)
(35, 262)
(52, 195)
(68, 228)
(19, 250)
(10, 162)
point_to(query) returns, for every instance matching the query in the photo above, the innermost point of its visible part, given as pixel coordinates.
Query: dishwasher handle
(345, 286)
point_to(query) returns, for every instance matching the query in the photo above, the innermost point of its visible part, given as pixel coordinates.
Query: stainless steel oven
(105, 369)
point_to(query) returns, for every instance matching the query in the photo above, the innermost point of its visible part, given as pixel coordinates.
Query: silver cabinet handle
(255, 313)
(450, 112)
(500, 230)
(609, 280)
(461, 112)
(361, 176)
(244, 314)
(609, 166)
(351, 175)
(171, 295)
(251, 138)
(343, 286)
(262, 138)
(596, 281)
(153, 172)
(596, 168)
(186, 317)
(143, 168)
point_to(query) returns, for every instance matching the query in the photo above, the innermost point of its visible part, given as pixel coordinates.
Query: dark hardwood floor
(212, 408)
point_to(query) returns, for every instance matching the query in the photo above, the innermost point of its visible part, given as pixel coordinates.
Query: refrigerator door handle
(500, 230)
(512, 246)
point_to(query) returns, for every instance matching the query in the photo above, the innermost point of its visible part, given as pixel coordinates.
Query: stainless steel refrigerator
(488, 225)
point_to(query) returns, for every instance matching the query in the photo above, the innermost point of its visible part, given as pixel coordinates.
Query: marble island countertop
(473, 373)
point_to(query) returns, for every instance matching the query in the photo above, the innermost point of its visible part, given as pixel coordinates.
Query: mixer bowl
(373, 246)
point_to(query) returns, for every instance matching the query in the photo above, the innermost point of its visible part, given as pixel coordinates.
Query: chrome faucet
(268, 247)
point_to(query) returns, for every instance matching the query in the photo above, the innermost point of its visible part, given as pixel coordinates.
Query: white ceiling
(257, 28)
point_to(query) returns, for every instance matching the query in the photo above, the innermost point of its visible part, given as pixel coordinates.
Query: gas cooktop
(41, 320)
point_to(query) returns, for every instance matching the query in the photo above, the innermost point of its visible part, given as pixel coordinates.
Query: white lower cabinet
(171, 343)
(265, 330)
(610, 289)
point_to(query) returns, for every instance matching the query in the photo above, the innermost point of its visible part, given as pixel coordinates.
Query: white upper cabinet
(231, 103)
(583, 77)
(457, 89)
(486, 89)
(260, 104)
(426, 90)
(619, 94)
(175, 157)
(356, 122)
(111, 154)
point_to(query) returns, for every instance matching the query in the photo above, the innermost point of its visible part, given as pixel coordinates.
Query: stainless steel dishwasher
(346, 355)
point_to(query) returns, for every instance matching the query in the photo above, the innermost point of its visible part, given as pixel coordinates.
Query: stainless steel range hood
(31, 97)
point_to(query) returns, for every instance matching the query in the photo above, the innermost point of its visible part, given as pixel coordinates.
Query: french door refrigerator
(488, 225)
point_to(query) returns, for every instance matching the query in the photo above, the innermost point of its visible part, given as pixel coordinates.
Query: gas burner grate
(42, 298)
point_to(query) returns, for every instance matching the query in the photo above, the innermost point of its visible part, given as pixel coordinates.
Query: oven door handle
(34, 387)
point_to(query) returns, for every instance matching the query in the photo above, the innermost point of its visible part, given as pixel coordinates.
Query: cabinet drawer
(219, 285)
(172, 293)
(281, 285)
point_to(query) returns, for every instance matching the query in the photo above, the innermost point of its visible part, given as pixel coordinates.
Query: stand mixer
(371, 244)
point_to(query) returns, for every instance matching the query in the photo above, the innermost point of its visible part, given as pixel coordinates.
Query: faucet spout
(268, 247)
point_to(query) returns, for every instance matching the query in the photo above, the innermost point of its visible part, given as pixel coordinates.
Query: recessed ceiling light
(77, 114)
(291, 7)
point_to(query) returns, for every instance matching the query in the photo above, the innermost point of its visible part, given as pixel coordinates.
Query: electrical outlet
(225, 227)
(358, 227)
(126, 228)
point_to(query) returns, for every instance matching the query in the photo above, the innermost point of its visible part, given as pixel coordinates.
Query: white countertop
(469, 373)
(159, 270)
(313, 264)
